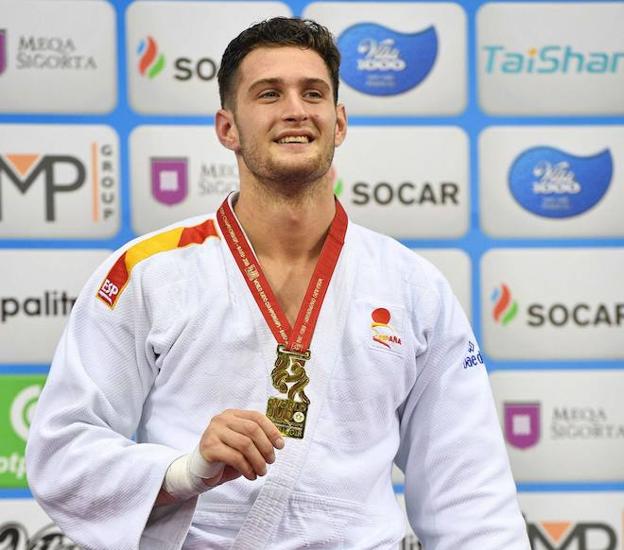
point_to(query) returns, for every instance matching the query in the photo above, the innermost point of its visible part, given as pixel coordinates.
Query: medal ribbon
(299, 337)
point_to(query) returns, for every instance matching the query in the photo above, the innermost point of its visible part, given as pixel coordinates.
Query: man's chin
(297, 174)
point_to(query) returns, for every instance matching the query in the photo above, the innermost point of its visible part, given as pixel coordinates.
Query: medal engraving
(289, 415)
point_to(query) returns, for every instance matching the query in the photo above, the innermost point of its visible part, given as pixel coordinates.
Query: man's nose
(295, 108)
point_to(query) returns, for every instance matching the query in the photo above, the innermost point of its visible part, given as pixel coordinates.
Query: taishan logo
(505, 307)
(551, 59)
(24, 169)
(567, 535)
(151, 62)
(383, 332)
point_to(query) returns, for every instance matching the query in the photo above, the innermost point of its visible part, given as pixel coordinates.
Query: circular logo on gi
(23, 409)
(298, 416)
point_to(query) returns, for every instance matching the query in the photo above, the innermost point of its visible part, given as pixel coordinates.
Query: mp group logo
(377, 60)
(559, 535)
(37, 291)
(561, 181)
(173, 60)
(57, 64)
(178, 172)
(522, 424)
(553, 303)
(573, 520)
(528, 54)
(554, 420)
(555, 184)
(18, 399)
(58, 181)
(405, 196)
(403, 59)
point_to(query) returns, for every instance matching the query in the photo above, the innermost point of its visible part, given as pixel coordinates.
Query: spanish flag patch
(119, 275)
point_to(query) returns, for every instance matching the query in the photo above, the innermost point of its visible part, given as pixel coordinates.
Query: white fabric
(186, 341)
(188, 475)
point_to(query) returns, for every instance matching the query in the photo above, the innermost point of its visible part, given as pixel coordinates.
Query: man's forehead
(282, 63)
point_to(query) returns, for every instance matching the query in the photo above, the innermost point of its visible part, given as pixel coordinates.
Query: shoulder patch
(119, 275)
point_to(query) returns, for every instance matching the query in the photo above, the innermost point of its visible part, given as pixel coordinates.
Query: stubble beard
(285, 178)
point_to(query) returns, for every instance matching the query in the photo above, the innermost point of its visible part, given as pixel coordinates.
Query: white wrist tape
(185, 476)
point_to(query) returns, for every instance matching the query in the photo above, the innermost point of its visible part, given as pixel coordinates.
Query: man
(352, 345)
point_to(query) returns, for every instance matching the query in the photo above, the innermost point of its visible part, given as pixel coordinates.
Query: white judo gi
(394, 375)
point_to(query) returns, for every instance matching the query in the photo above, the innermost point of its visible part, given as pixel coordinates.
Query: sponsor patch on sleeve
(118, 277)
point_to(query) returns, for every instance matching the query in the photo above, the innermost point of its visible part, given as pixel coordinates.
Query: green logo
(338, 188)
(18, 399)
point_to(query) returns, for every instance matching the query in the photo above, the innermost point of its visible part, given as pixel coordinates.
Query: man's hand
(244, 441)
(235, 443)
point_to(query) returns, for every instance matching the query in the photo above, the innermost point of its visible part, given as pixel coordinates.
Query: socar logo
(151, 62)
(505, 307)
(379, 61)
(551, 183)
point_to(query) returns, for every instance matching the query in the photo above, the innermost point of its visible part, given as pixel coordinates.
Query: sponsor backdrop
(486, 136)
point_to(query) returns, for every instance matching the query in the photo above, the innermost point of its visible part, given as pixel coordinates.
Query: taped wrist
(185, 476)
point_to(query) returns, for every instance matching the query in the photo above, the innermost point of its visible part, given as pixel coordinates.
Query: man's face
(285, 123)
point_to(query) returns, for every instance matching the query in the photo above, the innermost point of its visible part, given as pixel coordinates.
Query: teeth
(295, 139)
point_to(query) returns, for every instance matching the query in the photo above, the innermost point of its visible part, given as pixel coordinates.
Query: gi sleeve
(97, 484)
(459, 490)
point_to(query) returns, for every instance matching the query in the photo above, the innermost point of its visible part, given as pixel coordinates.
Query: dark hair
(276, 32)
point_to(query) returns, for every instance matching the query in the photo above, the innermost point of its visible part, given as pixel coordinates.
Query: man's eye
(314, 94)
(269, 94)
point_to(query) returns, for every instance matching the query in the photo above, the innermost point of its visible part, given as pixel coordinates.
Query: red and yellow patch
(119, 275)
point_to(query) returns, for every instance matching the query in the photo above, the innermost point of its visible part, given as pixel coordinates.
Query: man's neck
(286, 228)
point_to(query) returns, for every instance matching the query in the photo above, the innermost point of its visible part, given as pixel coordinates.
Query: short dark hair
(277, 32)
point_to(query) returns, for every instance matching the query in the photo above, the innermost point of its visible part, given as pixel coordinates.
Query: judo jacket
(165, 335)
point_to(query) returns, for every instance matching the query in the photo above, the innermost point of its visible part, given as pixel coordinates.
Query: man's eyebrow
(307, 82)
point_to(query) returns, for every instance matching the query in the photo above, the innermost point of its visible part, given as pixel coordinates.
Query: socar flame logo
(151, 62)
(379, 61)
(505, 307)
(554, 184)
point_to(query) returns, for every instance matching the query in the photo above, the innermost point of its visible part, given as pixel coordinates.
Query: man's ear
(226, 129)
(341, 124)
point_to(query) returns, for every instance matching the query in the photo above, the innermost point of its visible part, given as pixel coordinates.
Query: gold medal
(289, 376)
(289, 415)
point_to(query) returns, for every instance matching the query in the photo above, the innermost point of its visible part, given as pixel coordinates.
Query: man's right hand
(243, 441)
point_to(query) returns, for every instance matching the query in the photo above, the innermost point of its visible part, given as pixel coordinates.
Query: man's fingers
(244, 441)
(267, 426)
(247, 447)
(236, 460)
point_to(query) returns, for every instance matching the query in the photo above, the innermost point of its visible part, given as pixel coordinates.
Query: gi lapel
(266, 513)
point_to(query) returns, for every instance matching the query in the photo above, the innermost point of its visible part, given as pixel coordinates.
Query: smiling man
(272, 360)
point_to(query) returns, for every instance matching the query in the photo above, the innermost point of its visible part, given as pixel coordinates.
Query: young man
(352, 345)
